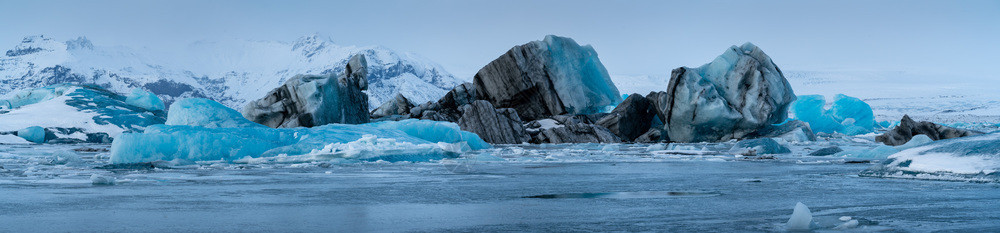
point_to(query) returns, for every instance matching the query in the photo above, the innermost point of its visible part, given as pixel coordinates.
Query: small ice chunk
(656, 147)
(847, 225)
(801, 218)
(845, 218)
(65, 157)
(96, 179)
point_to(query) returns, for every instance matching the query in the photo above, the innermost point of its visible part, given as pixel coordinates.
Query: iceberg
(738, 93)
(848, 115)
(312, 100)
(201, 129)
(144, 99)
(801, 219)
(554, 76)
(86, 113)
(33, 134)
(973, 158)
(206, 113)
(196, 143)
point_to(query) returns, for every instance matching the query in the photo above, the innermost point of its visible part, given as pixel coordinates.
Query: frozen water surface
(575, 187)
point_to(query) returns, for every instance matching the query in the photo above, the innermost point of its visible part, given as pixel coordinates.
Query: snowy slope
(231, 72)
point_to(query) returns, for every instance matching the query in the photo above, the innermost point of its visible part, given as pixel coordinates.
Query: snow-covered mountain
(231, 72)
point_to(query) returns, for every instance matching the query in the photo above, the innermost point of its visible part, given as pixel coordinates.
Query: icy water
(588, 188)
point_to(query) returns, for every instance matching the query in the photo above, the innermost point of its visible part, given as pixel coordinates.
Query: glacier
(847, 115)
(86, 113)
(230, 72)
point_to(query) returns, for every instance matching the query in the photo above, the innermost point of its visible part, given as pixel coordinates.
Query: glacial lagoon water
(578, 187)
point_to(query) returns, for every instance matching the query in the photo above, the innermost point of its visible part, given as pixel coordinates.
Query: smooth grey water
(669, 194)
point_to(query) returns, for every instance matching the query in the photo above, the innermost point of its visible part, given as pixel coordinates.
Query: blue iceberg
(848, 115)
(206, 113)
(580, 80)
(144, 99)
(220, 133)
(33, 134)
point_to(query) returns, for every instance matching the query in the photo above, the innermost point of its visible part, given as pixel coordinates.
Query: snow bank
(975, 158)
(11, 139)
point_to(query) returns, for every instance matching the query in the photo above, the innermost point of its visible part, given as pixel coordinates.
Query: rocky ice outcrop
(738, 93)
(908, 128)
(570, 129)
(630, 119)
(498, 126)
(314, 100)
(793, 131)
(554, 76)
(398, 105)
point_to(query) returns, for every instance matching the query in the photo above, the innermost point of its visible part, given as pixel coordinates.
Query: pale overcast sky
(632, 37)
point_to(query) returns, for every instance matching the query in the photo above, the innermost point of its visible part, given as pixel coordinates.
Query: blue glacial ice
(230, 138)
(848, 115)
(206, 113)
(144, 99)
(33, 134)
(84, 111)
(581, 81)
(974, 158)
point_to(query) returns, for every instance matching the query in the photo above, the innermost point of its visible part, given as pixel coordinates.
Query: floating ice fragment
(96, 179)
(801, 218)
(847, 225)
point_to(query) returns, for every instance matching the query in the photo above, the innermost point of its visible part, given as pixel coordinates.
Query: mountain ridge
(231, 72)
